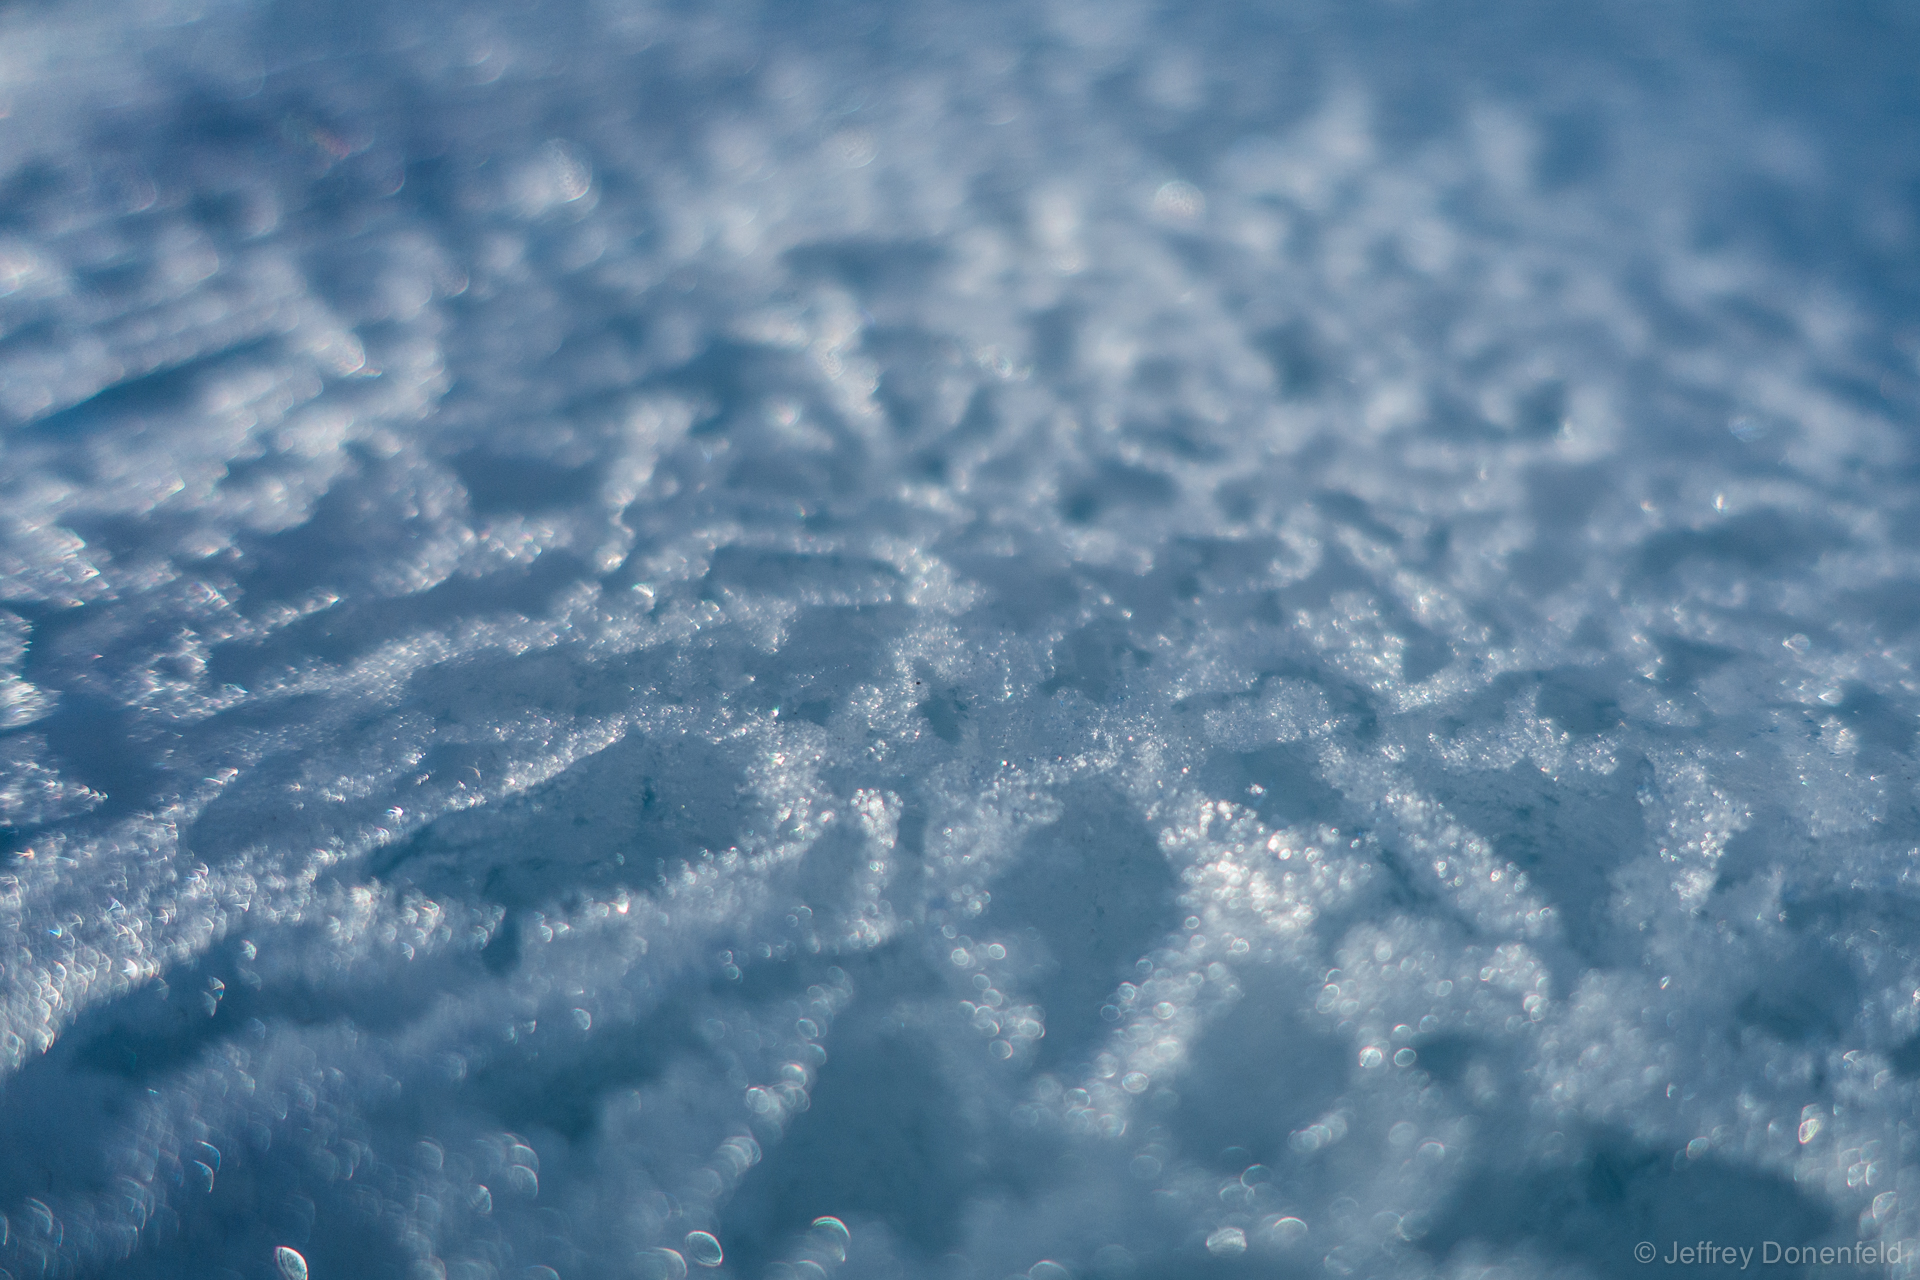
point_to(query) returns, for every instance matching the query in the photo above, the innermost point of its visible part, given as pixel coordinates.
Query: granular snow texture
(956, 640)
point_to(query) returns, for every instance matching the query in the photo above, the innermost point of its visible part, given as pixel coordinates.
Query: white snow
(1051, 640)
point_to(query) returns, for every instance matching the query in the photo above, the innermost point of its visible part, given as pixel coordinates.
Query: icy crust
(945, 642)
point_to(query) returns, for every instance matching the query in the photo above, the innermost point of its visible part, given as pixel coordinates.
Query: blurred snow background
(1052, 640)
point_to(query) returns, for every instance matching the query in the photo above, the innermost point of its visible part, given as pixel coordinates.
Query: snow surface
(955, 640)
